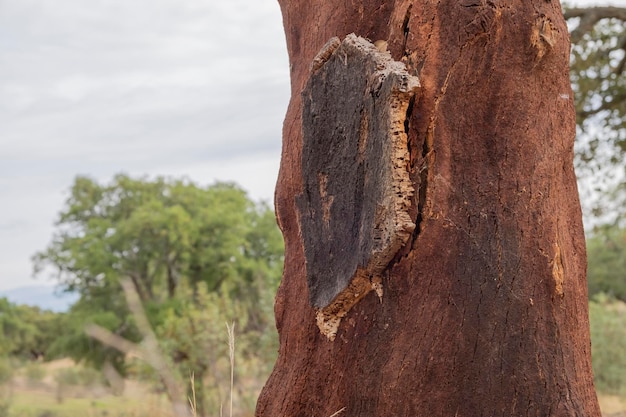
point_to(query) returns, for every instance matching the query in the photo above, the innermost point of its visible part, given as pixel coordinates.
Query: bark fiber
(484, 310)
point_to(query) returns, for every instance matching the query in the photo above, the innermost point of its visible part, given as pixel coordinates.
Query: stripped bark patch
(557, 270)
(354, 208)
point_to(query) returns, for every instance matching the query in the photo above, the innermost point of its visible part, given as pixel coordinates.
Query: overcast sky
(194, 88)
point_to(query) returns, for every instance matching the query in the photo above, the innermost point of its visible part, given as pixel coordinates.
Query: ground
(40, 397)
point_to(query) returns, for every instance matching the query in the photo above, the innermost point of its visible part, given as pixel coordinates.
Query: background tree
(180, 245)
(598, 73)
(15, 333)
(606, 251)
(484, 311)
(27, 332)
(608, 332)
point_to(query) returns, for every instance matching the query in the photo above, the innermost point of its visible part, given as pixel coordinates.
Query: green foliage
(155, 233)
(194, 334)
(47, 324)
(598, 74)
(34, 372)
(606, 253)
(197, 256)
(6, 370)
(608, 338)
(112, 315)
(158, 233)
(192, 337)
(26, 331)
(6, 373)
(5, 406)
(78, 376)
(14, 332)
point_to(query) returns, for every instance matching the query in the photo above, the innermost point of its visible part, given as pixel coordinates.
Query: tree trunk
(482, 306)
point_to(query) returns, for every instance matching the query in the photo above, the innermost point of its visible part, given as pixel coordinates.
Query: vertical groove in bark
(484, 313)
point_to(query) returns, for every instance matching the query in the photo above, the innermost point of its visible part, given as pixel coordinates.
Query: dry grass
(336, 413)
(612, 404)
(137, 401)
(192, 401)
(231, 356)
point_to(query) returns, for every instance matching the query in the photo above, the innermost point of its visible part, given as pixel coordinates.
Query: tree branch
(598, 12)
(148, 351)
(606, 105)
(109, 338)
(620, 67)
(589, 16)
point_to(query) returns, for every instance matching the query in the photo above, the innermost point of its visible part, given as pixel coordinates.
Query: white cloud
(162, 87)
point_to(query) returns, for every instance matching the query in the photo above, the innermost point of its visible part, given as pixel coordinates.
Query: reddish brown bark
(484, 310)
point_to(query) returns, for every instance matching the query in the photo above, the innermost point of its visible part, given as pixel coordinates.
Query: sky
(194, 88)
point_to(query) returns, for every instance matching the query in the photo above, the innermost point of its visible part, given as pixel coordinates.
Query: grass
(231, 356)
(192, 400)
(25, 404)
(612, 404)
(33, 393)
(35, 403)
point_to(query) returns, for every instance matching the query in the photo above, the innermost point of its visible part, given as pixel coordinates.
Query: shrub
(6, 373)
(34, 372)
(608, 340)
(78, 376)
(6, 370)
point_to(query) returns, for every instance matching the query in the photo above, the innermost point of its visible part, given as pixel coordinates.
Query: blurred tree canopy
(180, 245)
(26, 331)
(598, 74)
(14, 331)
(606, 252)
(608, 344)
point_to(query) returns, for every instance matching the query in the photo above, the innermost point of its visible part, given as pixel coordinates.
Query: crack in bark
(422, 187)
(486, 18)
(405, 30)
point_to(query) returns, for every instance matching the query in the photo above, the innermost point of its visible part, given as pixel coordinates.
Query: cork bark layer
(354, 209)
(484, 310)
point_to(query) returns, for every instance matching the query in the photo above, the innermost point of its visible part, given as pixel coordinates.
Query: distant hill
(42, 296)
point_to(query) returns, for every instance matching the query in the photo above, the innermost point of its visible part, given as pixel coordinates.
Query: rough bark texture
(484, 311)
(354, 211)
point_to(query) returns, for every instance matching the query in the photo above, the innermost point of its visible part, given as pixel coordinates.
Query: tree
(181, 246)
(598, 73)
(607, 262)
(483, 311)
(15, 332)
(598, 64)
(608, 333)
(26, 331)
(159, 233)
